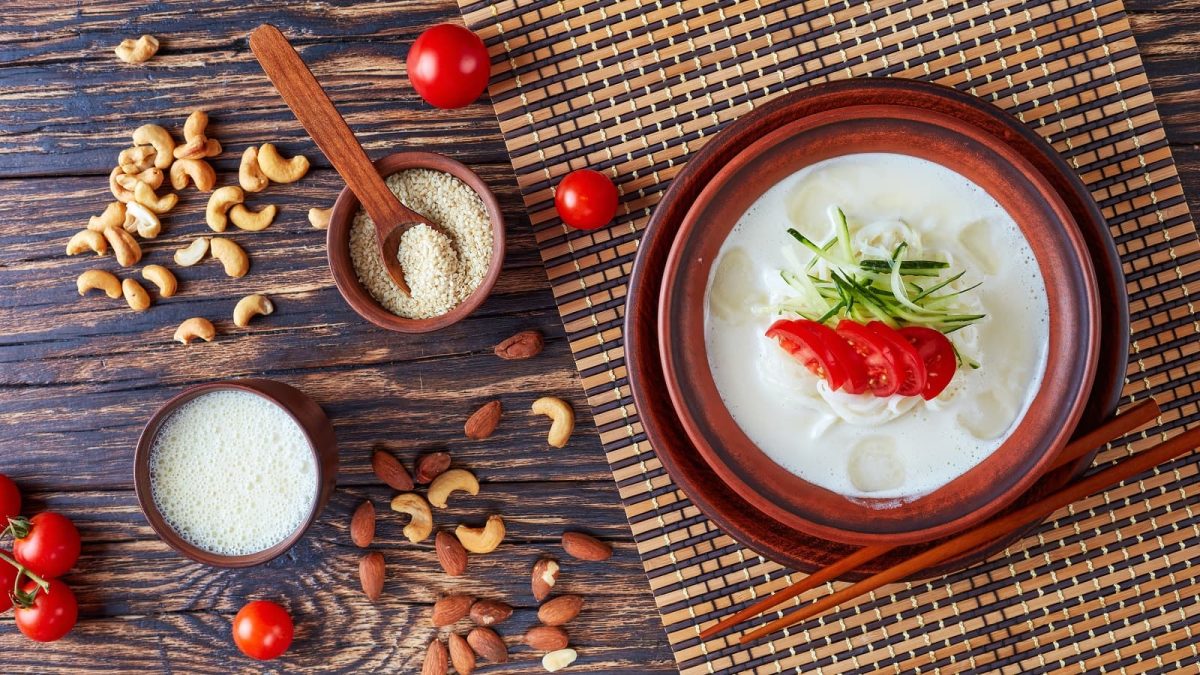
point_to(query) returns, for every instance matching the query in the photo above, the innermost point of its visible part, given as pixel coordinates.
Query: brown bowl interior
(1060, 254)
(307, 414)
(338, 246)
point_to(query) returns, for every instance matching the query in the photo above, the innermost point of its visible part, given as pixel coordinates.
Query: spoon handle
(315, 111)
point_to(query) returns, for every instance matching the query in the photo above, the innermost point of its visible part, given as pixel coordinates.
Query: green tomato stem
(23, 570)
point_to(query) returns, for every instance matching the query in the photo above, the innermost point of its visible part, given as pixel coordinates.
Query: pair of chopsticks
(1110, 430)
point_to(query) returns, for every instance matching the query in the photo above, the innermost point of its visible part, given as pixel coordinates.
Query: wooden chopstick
(1111, 429)
(1119, 472)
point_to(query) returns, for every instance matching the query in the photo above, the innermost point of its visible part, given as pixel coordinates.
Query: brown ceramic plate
(719, 501)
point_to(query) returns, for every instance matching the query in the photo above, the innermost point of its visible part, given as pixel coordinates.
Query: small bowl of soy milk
(231, 474)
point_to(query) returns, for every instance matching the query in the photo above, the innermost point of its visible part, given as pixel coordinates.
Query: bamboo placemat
(633, 87)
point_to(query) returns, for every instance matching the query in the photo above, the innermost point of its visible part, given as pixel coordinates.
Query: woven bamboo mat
(633, 87)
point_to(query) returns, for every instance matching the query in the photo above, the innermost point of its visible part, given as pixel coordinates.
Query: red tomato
(913, 373)
(586, 199)
(937, 353)
(883, 370)
(819, 349)
(51, 615)
(262, 630)
(8, 581)
(10, 500)
(449, 66)
(47, 543)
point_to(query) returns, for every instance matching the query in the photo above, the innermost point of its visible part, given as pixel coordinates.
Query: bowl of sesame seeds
(450, 274)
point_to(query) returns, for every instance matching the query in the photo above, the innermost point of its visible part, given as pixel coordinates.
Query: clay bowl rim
(1036, 439)
(337, 244)
(141, 474)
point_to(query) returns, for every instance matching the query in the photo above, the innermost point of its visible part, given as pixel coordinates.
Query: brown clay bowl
(338, 246)
(312, 421)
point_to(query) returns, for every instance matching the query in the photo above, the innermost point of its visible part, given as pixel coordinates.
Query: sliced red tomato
(820, 350)
(882, 368)
(937, 353)
(913, 373)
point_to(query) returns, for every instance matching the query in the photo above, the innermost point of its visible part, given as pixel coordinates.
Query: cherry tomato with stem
(263, 630)
(10, 500)
(937, 353)
(586, 199)
(47, 543)
(449, 66)
(883, 370)
(913, 374)
(820, 350)
(45, 614)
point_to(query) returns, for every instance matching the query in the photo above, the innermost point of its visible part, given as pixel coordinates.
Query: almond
(524, 345)
(559, 659)
(431, 466)
(487, 644)
(546, 638)
(560, 610)
(545, 575)
(451, 608)
(490, 612)
(585, 547)
(436, 661)
(391, 471)
(450, 554)
(362, 524)
(371, 571)
(483, 422)
(461, 655)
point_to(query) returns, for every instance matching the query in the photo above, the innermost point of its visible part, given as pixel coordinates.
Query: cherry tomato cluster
(874, 357)
(44, 548)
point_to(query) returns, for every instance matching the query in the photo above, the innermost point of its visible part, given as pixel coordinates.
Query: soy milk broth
(860, 445)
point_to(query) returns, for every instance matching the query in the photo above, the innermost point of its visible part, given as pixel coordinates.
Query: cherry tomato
(937, 353)
(586, 199)
(819, 349)
(449, 66)
(8, 584)
(883, 370)
(10, 500)
(913, 373)
(51, 615)
(262, 630)
(47, 543)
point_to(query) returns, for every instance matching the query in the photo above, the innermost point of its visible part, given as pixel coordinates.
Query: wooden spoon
(313, 108)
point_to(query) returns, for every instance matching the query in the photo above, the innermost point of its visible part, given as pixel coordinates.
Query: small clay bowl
(342, 267)
(312, 421)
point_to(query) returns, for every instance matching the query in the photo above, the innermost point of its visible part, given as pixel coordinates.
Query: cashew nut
(119, 192)
(136, 159)
(137, 51)
(200, 171)
(421, 525)
(459, 480)
(250, 177)
(135, 295)
(481, 539)
(142, 220)
(105, 281)
(196, 148)
(319, 218)
(195, 328)
(161, 277)
(124, 246)
(85, 240)
(152, 177)
(195, 125)
(195, 144)
(252, 221)
(160, 138)
(144, 195)
(222, 199)
(235, 260)
(563, 418)
(250, 307)
(212, 148)
(278, 169)
(192, 253)
(113, 216)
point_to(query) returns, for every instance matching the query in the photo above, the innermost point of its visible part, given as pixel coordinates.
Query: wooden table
(80, 376)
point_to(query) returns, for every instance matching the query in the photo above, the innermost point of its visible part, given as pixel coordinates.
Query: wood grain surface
(80, 376)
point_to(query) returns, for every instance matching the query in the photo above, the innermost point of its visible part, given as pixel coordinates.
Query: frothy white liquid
(232, 473)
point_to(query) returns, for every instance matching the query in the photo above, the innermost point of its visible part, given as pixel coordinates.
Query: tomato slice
(913, 373)
(937, 353)
(819, 349)
(883, 369)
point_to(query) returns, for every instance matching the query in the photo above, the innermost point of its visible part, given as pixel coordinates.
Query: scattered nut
(546, 638)
(482, 423)
(252, 221)
(362, 524)
(161, 277)
(278, 169)
(136, 159)
(196, 145)
(560, 610)
(454, 480)
(450, 554)
(142, 220)
(461, 655)
(250, 307)
(135, 295)
(113, 216)
(152, 177)
(137, 51)
(124, 246)
(559, 659)
(195, 328)
(192, 253)
(87, 240)
(482, 539)
(195, 125)
(389, 470)
(436, 660)
(431, 466)
(199, 171)
(319, 218)
(563, 419)
(421, 525)
(105, 281)
(118, 191)
(235, 260)
(371, 573)
(449, 609)
(487, 644)
(543, 578)
(160, 138)
(524, 345)
(144, 195)
(250, 177)
(196, 148)
(490, 612)
(219, 203)
(585, 547)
